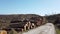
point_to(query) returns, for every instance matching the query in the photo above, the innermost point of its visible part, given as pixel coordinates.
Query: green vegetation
(58, 31)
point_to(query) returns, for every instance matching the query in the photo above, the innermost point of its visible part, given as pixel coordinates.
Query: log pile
(20, 22)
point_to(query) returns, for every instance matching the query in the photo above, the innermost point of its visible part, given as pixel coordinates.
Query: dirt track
(44, 29)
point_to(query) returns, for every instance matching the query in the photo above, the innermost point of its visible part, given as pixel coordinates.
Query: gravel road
(48, 28)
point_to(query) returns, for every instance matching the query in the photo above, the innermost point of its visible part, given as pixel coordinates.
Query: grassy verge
(58, 31)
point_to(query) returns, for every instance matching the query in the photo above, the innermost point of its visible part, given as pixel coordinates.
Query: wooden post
(33, 25)
(25, 27)
(29, 25)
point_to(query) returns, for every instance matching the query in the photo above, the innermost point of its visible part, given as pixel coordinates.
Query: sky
(40, 7)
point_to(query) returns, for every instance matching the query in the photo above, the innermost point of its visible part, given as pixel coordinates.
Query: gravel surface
(44, 29)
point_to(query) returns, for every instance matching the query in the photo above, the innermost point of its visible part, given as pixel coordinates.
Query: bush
(58, 31)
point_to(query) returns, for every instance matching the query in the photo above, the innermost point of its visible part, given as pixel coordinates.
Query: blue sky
(40, 7)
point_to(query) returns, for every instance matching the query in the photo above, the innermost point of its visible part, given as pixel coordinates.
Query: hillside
(55, 19)
(16, 21)
(20, 19)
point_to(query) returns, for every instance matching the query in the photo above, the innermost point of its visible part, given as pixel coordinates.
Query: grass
(58, 31)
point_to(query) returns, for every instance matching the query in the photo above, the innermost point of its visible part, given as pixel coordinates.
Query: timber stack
(20, 22)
